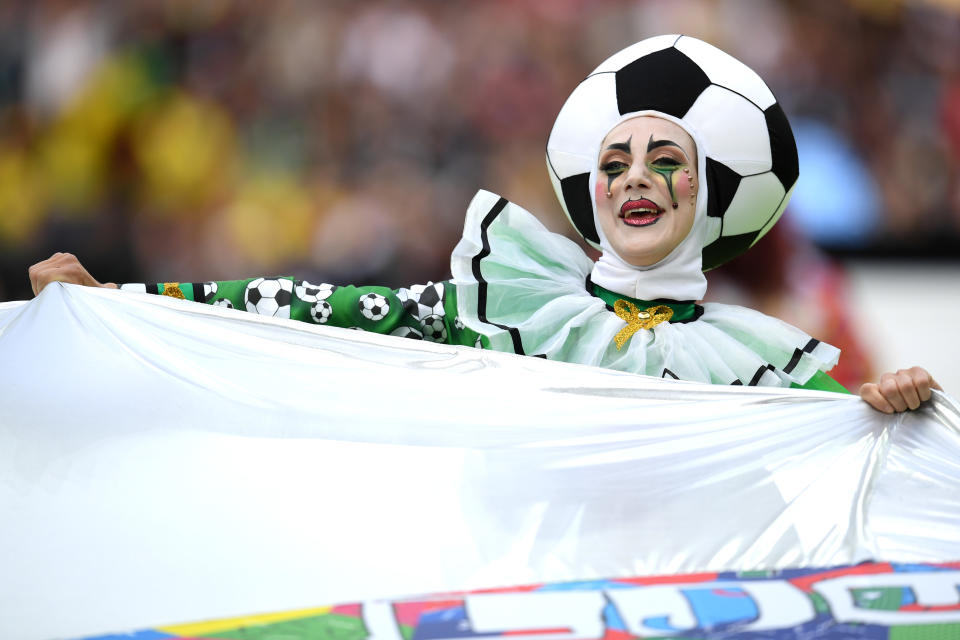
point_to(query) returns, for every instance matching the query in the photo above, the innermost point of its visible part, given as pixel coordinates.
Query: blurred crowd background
(186, 140)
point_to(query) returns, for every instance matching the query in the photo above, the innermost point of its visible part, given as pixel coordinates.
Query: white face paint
(646, 164)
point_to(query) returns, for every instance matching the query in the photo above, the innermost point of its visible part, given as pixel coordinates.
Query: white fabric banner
(163, 461)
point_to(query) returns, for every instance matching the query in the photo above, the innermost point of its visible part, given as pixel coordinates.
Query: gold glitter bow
(173, 290)
(637, 318)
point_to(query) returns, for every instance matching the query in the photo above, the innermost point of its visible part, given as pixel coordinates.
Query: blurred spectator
(837, 202)
(66, 41)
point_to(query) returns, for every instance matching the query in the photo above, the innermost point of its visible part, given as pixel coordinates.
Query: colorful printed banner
(869, 601)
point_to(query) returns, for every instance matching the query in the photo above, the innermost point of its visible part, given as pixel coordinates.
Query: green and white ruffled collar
(526, 289)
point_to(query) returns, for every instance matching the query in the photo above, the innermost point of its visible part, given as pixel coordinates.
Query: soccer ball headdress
(750, 154)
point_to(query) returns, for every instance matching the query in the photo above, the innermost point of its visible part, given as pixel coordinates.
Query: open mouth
(640, 213)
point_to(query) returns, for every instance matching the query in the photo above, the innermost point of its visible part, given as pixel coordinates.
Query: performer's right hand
(62, 267)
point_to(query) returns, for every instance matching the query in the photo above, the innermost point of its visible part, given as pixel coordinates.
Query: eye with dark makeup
(666, 162)
(614, 167)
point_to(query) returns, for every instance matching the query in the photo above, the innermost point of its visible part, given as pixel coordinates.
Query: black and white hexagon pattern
(374, 306)
(407, 332)
(269, 297)
(223, 302)
(209, 291)
(313, 292)
(458, 323)
(320, 311)
(751, 161)
(433, 328)
(423, 300)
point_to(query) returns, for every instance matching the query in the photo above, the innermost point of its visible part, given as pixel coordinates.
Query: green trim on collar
(682, 311)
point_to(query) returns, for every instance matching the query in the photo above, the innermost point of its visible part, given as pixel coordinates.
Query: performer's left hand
(899, 391)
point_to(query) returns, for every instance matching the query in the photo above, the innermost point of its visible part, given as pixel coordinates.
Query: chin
(641, 256)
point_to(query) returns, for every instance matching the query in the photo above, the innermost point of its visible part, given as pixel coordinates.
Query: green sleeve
(422, 312)
(820, 381)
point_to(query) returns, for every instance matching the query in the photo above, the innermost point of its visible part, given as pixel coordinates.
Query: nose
(638, 176)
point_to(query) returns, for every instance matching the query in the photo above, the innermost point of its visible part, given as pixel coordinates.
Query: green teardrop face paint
(611, 175)
(667, 167)
(668, 173)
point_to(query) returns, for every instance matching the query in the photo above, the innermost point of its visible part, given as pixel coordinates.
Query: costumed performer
(671, 158)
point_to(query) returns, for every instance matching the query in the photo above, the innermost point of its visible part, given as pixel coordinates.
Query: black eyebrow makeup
(656, 144)
(621, 146)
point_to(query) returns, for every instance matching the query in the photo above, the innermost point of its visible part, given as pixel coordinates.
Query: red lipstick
(640, 213)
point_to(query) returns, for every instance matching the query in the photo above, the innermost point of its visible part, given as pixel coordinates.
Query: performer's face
(646, 164)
